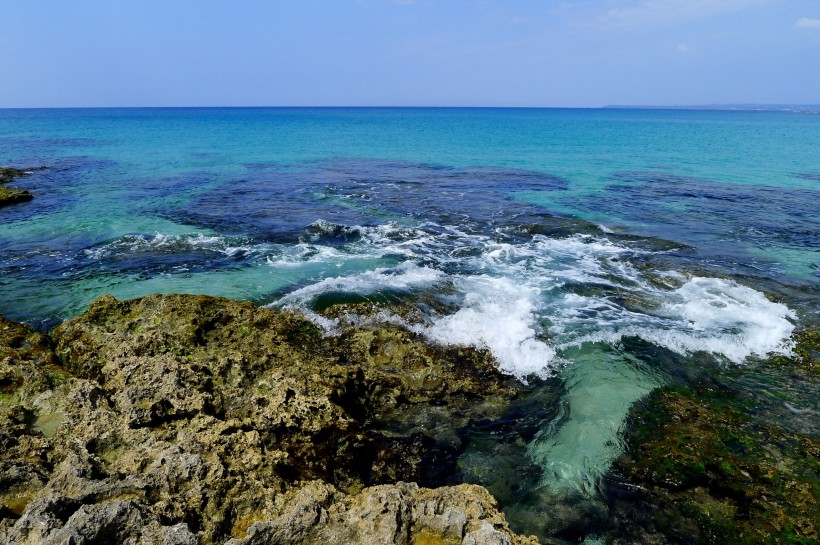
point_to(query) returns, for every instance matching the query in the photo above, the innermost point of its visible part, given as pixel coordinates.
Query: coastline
(194, 419)
(632, 306)
(197, 419)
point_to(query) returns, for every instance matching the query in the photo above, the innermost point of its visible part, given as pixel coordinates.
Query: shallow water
(597, 254)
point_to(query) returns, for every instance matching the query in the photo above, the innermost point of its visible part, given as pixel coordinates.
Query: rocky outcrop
(192, 419)
(13, 196)
(403, 514)
(701, 471)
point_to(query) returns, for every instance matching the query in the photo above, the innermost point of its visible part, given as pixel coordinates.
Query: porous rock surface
(181, 419)
(10, 196)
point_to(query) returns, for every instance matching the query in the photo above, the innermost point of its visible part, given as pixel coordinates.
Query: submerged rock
(698, 470)
(192, 419)
(806, 352)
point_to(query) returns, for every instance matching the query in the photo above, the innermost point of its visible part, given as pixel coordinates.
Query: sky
(582, 53)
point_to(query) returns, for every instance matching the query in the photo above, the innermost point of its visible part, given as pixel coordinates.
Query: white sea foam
(704, 314)
(404, 277)
(301, 254)
(498, 314)
(508, 291)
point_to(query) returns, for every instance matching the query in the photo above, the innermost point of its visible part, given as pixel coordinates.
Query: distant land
(800, 108)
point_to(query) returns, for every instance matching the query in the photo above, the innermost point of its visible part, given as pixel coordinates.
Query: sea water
(570, 243)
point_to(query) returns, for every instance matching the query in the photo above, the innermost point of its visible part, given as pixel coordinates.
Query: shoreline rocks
(185, 419)
(192, 419)
(698, 470)
(9, 196)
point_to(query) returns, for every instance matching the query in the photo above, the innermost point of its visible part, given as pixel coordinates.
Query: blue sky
(405, 52)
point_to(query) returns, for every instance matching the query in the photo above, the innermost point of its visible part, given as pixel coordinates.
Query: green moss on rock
(213, 414)
(9, 196)
(28, 369)
(712, 475)
(806, 352)
(13, 196)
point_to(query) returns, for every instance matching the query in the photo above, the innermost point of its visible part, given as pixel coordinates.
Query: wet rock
(700, 471)
(13, 196)
(193, 419)
(8, 174)
(806, 352)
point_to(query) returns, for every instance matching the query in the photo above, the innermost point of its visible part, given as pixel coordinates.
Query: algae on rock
(10, 196)
(194, 419)
(700, 471)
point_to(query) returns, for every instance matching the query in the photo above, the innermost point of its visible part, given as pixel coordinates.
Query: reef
(805, 355)
(700, 470)
(183, 419)
(10, 196)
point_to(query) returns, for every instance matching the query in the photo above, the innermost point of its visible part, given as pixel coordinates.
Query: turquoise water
(565, 241)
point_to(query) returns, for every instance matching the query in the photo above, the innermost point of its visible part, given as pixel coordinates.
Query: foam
(704, 314)
(498, 314)
(508, 290)
(301, 254)
(406, 276)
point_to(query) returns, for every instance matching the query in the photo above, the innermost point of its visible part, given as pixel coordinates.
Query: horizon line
(729, 106)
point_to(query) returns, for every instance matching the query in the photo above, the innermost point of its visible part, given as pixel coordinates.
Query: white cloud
(662, 13)
(683, 48)
(805, 22)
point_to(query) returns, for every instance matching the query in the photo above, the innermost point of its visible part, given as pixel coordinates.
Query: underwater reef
(702, 467)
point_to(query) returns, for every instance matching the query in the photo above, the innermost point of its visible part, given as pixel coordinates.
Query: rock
(400, 514)
(193, 419)
(8, 174)
(58, 520)
(700, 471)
(806, 352)
(14, 196)
(28, 368)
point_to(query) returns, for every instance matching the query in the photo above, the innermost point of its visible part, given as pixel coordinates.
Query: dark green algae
(705, 462)
(9, 196)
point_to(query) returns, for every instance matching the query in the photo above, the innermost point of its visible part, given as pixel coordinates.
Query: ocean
(599, 254)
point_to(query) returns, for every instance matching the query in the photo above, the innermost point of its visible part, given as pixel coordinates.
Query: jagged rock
(57, 520)
(14, 196)
(400, 514)
(193, 419)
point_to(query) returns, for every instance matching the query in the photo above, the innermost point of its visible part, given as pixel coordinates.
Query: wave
(527, 300)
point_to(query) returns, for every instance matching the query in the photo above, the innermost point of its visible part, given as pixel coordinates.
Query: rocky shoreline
(183, 419)
(192, 419)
